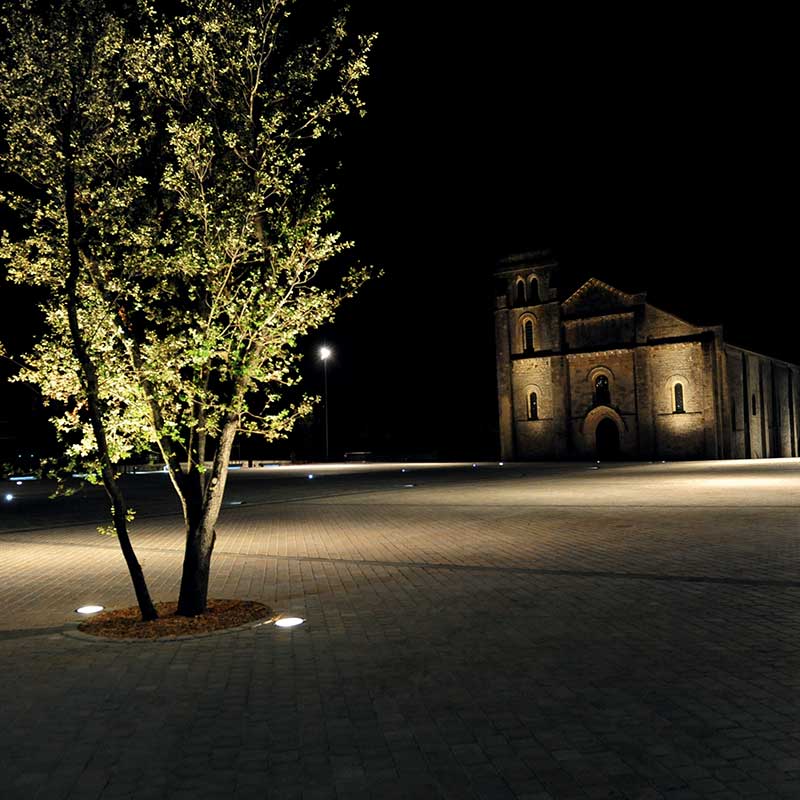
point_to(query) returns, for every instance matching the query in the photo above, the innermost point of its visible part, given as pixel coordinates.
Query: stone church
(603, 374)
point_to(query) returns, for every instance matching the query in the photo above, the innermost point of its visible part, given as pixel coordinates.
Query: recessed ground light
(235, 503)
(501, 463)
(403, 470)
(89, 609)
(474, 466)
(409, 485)
(311, 476)
(19, 483)
(289, 622)
(9, 498)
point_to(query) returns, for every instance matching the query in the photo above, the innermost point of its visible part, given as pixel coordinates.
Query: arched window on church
(527, 336)
(679, 409)
(520, 293)
(533, 291)
(533, 406)
(602, 393)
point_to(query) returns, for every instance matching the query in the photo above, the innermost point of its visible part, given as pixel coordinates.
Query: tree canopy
(173, 200)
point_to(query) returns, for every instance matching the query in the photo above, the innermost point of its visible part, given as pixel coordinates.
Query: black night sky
(647, 147)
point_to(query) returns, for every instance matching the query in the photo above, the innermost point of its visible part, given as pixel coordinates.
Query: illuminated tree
(170, 203)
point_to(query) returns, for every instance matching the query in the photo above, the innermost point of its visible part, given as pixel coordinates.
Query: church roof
(595, 292)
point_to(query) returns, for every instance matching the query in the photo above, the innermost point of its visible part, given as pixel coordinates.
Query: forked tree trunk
(193, 596)
(89, 380)
(202, 512)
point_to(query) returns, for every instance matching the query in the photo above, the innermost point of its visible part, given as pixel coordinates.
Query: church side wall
(779, 391)
(679, 435)
(738, 421)
(763, 397)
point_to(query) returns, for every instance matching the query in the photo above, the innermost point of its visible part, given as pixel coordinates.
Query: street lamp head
(325, 353)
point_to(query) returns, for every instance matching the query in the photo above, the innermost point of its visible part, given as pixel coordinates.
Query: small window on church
(753, 403)
(528, 331)
(533, 292)
(602, 394)
(520, 293)
(533, 406)
(679, 409)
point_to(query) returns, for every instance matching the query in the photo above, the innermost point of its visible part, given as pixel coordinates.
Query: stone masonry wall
(618, 367)
(599, 332)
(534, 438)
(546, 331)
(678, 434)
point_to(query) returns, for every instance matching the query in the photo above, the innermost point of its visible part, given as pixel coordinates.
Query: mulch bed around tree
(126, 623)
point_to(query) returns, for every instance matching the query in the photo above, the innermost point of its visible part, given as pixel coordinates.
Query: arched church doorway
(607, 440)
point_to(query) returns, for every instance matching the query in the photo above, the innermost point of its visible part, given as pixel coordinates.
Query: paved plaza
(517, 631)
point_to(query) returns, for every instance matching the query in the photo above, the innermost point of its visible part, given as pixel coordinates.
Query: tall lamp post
(325, 354)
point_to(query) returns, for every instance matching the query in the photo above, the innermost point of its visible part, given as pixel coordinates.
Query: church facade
(603, 374)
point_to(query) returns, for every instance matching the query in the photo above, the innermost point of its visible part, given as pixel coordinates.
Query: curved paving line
(161, 514)
(26, 633)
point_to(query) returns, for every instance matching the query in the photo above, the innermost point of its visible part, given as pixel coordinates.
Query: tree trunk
(202, 512)
(193, 596)
(146, 607)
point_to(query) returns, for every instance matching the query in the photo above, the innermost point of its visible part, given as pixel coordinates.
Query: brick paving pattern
(528, 631)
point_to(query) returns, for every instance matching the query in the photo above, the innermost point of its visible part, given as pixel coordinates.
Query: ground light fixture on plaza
(324, 354)
(289, 622)
(89, 609)
(9, 498)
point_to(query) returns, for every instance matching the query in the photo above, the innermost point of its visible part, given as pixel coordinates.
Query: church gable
(658, 324)
(595, 298)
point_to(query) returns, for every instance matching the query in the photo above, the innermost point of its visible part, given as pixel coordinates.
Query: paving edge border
(72, 632)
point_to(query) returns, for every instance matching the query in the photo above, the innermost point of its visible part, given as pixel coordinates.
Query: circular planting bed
(126, 623)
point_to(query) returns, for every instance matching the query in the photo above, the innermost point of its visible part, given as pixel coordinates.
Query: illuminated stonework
(616, 377)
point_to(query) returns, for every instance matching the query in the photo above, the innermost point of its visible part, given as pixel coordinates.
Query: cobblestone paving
(516, 632)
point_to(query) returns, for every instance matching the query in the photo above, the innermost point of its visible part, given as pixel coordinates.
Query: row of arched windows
(602, 394)
(602, 397)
